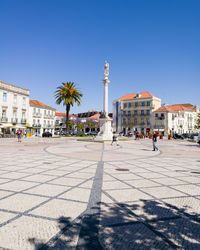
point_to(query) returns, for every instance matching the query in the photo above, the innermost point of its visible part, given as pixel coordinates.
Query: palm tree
(68, 94)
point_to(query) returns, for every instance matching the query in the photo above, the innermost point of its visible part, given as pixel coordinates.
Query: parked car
(94, 133)
(178, 136)
(46, 134)
(186, 135)
(198, 139)
(193, 136)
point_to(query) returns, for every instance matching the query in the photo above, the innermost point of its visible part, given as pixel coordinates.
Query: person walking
(154, 139)
(19, 135)
(114, 139)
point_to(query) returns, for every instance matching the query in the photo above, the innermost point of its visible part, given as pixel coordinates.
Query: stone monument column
(106, 81)
(105, 133)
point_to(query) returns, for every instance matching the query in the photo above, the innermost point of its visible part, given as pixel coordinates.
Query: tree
(68, 94)
(197, 125)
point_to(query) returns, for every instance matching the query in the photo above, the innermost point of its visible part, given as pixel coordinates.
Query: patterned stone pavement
(68, 194)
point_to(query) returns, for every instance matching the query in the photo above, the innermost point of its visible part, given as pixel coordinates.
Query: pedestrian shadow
(146, 225)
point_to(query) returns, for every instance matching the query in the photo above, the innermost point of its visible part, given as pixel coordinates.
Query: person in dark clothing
(115, 139)
(154, 139)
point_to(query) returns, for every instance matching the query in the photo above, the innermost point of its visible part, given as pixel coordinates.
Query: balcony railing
(4, 119)
(36, 125)
(23, 121)
(159, 117)
(37, 114)
(14, 120)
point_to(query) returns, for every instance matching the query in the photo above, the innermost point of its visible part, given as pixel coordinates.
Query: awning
(9, 125)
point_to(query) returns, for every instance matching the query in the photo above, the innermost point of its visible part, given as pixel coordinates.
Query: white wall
(37, 115)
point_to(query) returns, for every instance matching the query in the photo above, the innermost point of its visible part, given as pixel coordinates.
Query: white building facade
(14, 107)
(133, 112)
(177, 118)
(41, 118)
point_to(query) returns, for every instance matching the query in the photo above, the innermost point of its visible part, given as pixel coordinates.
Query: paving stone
(48, 190)
(57, 208)
(135, 236)
(27, 233)
(162, 192)
(184, 233)
(20, 202)
(5, 216)
(128, 195)
(77, 194)
(17, 185)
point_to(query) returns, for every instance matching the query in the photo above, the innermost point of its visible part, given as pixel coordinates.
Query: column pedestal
(105, 133)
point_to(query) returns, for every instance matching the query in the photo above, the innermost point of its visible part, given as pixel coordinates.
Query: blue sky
(151, 45)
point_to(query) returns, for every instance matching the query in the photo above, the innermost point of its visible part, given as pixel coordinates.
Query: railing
(4, 119)
(14, 120)
(23, 120)
(159, 117)
(37, 114)
(36, 125)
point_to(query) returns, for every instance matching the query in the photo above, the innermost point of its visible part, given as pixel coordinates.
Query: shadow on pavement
(142, 225)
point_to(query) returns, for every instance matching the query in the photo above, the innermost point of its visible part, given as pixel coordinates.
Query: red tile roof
(95, 117)
(62, 114)
(141, 95)
(39, 104)
(176, 108)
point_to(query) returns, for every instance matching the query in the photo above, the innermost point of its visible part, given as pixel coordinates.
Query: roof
(13, 85)
(176, 108)
(94, 117)
(140, 95)
(62, 114)
(36, 103)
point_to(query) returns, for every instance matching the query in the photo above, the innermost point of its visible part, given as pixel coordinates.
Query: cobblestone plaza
(67, 194)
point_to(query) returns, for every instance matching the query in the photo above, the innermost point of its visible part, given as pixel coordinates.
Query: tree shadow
(146, 224)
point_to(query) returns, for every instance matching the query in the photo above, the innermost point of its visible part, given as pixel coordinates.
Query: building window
(142, 112)
(44, 122)
(14, 114)
(148, 112)
(38, 121)
(23, 115)
(15, 99)
(4, 96)
(135, 112)
(143, 104)
(125, 105)
(129, 105)
(156, 115)
(33, 121)
(135, 121)
(136, 104)
(4, 113)
(24, 101)
(45, 112)
(148, 103)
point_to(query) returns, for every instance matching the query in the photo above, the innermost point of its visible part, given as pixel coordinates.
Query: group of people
(154, 140)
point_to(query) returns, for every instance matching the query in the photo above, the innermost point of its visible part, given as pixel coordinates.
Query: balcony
(159, 126)
(38, 115)
(4, 119)
(14, 120)
(159, 118)
(23, 121)
(36, 125)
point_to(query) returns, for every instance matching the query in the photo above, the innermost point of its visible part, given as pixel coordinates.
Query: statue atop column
(106, 69)
(105, 133)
